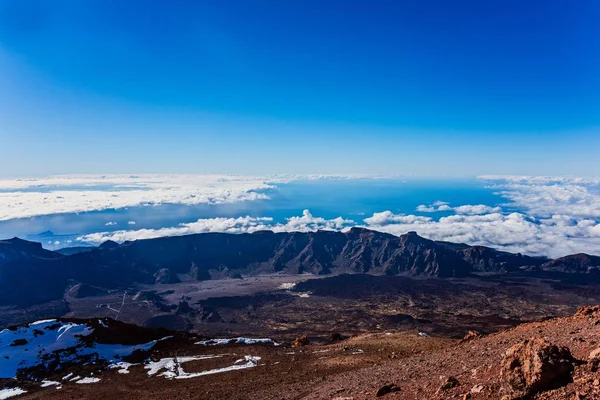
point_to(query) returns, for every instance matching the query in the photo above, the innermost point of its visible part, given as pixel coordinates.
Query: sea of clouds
(551, 216)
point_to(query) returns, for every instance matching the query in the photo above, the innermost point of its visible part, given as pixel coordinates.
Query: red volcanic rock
(587, 311)
(301, 341)
(535, 365)
(471, 335)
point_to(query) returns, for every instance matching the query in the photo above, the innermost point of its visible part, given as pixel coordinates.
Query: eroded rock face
(535, 365)
(588, 311)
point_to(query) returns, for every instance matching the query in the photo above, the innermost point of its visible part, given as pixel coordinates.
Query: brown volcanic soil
(349, 304)
(283, 372)
(474, 363)
(417, 365)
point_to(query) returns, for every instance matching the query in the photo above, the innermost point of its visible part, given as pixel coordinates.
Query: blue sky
(401, 87)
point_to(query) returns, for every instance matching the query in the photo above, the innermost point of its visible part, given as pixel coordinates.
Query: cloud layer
(80, 193)
(305, 223)
(541, 216)
(26, 198)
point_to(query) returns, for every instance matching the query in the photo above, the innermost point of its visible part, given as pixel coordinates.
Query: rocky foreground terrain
(553, 359)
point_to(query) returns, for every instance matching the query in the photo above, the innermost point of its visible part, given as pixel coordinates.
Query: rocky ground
(291, 305)
(554, 359)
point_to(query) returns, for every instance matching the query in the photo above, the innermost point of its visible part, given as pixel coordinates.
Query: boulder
(587, 311)
(335, 337)
(385, 389)
(535, 365)
(449, 383)
(301, 341)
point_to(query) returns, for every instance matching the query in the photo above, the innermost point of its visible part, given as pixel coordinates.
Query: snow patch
(287, 285)
(46, 383)
(123, 367)
(238, 340)
(88, 379)
(174, 366)
(43, 321)
(10, 392)
(42, 342)
(68, 376)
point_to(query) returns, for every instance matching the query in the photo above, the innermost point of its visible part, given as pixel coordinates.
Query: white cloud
(515, 232)
(110, 223)
(551, 216)
(25, 198)
(387, 217)
(305, 223)
(130, 222)
(81, 193)
(476, 209)
(546, 196)
(465, 209)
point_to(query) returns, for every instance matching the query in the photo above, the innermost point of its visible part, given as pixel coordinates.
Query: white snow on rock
(88, 380)
(174, 369)
(69, 375)
(123, 367)
(287, 285)
(172, 366)
(10, 392)
(43, 321)
(42, 342)
(238, 340)
(46, 383)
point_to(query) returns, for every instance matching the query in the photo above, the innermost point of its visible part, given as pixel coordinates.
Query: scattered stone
(335, 337)
(301, 341)
(385, 389)
(477, 389)
(535, 365)
(450, 383)
(587, 311)
(471, 335)
(594, 360)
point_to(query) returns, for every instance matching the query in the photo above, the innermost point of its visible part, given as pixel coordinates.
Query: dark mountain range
(579, 263)
(29, 274)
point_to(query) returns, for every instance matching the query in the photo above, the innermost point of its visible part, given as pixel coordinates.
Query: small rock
(594, 360)
(385, 389)
(301, 341)
(594, 354)
(466, 396)
(471, 335)
(477, 389)
(449, 383)
(335, 337)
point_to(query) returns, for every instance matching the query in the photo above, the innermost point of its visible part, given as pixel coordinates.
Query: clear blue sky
(271, 86)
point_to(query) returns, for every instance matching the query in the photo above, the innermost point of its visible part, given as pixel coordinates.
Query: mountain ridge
(223, 255)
